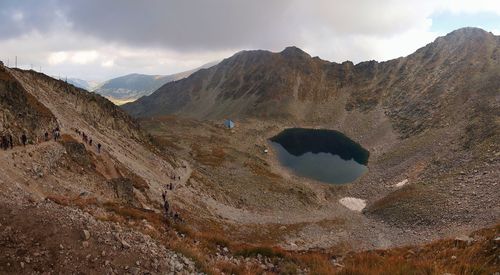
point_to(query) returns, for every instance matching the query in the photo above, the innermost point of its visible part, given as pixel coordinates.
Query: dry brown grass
(77, 201)
(439, 257)
(260, 170)
(481, 257)
(214, 157)
(232, 268)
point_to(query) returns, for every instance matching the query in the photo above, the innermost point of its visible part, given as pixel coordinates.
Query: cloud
(165, 36)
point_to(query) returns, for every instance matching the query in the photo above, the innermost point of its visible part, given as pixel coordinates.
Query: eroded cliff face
(94, 109)
(20, 112)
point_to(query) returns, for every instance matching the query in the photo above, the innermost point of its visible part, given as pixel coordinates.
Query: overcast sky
(100, 39)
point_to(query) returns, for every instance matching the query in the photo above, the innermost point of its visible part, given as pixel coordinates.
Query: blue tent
(229, 123)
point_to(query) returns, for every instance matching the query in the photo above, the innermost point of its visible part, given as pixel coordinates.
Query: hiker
(58, 133)
(11, 142)
(46, 136)
(4, 142)
(24, 139)
(98, 148)
(54, 134)
(177, 217)
(166, 206)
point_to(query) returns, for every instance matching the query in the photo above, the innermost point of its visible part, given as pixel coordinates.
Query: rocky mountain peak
(464, 36)
(294, 52)
(468, 32)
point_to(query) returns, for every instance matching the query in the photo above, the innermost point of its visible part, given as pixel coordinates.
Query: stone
(22, 264)
(125, 244)
(463, 241)
(135, 270)
(85, 244)
(453, 257)
(86, 234)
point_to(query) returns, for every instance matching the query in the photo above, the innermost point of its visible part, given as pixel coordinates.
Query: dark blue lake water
(324, 155)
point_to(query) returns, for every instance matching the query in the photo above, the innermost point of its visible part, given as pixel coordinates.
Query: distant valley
(130, 87)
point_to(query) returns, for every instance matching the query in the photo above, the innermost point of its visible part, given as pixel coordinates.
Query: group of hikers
(7, 141)
(88, 140)
(56, 134)
(169, 213)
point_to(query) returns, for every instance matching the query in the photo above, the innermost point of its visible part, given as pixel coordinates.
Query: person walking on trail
(24, 139)
(46, 136)
(164, 195)
(98, 148)
(57, 134)
(166, 205)
(4, 142)
(11, 142)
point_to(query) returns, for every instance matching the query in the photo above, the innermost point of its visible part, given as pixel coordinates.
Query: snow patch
(353, 204)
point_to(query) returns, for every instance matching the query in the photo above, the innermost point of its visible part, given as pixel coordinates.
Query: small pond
(324, 155)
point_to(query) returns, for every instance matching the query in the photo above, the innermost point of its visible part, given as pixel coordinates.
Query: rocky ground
(444, 192)
(44, 237)
(67, 208)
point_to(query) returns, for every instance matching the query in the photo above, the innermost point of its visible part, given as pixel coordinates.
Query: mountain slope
(133, 86)
(61, 195)
(412, 90)
(430, 120)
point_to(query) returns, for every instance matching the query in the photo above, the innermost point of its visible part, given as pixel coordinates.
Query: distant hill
(130, 87)
(84, 84)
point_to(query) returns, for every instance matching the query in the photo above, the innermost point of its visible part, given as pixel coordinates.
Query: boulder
(125, 244)
(86, 234)
(462, 241)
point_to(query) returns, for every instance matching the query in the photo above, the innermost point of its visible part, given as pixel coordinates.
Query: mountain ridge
(293, 86)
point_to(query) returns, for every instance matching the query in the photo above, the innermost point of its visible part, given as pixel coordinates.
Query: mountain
(41, 182)
(133, 86)
(430, 122)
(415, 91)
(431, 118)
(81, 83)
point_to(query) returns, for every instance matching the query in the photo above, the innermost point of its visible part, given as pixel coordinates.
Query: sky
(101, 39)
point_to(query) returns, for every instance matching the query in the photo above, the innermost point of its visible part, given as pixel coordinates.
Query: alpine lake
(323, 155)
